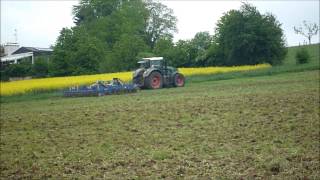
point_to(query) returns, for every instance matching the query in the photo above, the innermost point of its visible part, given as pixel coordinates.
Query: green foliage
(313, 50)
(164, 48)
(201, 43)
(3, 75)
(247, 37)
(22, 69)
(76, 52)
(302, 56)
(91, 10)
(63, 50)
(145, 55)
(179, 55)
(124, 54)
(110, 35)
(40, 68)
(185, 53)
(160, 22)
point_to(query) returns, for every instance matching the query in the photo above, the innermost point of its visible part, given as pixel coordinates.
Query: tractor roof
(153, 58)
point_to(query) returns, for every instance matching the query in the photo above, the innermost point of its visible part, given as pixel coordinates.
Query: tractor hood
(137, 72)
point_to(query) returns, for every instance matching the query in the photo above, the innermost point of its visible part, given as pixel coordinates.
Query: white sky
(39, 22)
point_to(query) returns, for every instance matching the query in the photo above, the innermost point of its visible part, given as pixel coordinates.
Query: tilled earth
(266, 127)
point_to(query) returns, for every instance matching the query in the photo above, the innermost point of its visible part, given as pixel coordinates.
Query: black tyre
(178, 80)
(154, 80)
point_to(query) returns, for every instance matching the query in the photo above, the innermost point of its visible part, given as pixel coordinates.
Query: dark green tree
(163, 46)
(247, 37)
(199, 45)
(76, 52)
(179, 55)
(90, 10)
(21, 69)
(40, 68)
(124, 55)
(109, 36)
(62, 54)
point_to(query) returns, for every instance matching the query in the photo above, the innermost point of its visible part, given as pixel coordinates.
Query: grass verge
(255, 73)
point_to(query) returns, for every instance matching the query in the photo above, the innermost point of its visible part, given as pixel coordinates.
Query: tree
(163, 46)
(161, 22)
(184, 53)
(308, 30)
(201, 43)
(90, 10)
(40, 68)
(76, 52)
(62, 52)
(124, 54)
(109, 35)
(247, 37)
(22, 69)
(179, 54)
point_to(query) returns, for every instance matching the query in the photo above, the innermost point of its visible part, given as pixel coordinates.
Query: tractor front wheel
(154, 80)
(179, 80)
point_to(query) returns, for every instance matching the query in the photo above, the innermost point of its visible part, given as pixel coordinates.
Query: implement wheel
(154, 81)
(179, 80)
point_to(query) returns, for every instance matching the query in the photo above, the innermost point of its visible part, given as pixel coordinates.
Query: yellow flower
(215, 70)
(24, 86)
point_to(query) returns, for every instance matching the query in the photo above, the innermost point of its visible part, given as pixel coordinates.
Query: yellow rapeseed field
(215, 70)
(24, 86)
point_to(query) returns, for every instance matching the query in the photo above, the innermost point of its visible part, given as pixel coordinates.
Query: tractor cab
(156, 62)
(144, 64)
(154, 73)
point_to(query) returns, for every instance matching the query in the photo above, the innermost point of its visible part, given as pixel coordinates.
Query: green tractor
(154, 74)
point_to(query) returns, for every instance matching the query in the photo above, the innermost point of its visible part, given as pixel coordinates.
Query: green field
(312, 49)
(246, 127)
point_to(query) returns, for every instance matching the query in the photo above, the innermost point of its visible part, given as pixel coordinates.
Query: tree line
(112, 35)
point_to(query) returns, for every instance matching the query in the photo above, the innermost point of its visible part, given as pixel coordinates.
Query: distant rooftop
(35, 50)
(11, 44)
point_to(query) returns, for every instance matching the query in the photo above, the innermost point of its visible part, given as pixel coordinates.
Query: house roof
(32, 49)
(14, 57)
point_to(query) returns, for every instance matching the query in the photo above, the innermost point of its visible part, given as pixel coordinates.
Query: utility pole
(15, 36)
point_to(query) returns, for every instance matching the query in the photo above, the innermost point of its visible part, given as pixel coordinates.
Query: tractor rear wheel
(178, 80)
(154, 80)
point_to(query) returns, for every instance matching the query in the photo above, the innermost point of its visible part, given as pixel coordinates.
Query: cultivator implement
(101, 88)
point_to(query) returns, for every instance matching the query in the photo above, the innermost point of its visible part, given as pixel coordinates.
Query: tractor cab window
(144, 64)
(156, 63)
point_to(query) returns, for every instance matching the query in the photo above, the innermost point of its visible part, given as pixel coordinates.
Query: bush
(18, 70)
(40, 67)
(4, 76)
(302, 56)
